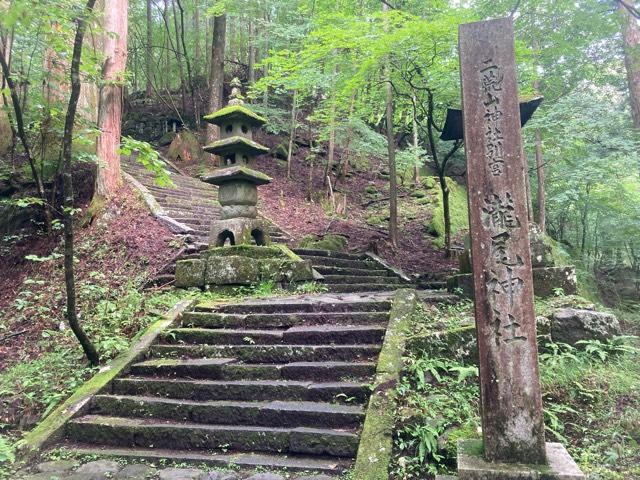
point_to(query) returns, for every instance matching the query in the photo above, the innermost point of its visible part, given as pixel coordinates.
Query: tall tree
(72, 316)
(111, 97)
(631, 42)
(149, 50)
(216, 75)
(391, 149)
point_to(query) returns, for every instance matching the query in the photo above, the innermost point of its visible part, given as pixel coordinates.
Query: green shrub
(458, 210)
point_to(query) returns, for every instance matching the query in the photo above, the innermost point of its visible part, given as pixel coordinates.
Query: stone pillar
(512, 418)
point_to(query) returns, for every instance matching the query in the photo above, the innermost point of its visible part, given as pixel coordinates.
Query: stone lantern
(237, 182)
(241, 263)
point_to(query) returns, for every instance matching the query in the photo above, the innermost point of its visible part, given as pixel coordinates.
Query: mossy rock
(281, 151)
(419, 193)
(458, 209)
(166, 139)
(371, 190)
(429, 183)
(377, 220)
(190, 273)
(425, 200)
(185, 147)
(336, 243)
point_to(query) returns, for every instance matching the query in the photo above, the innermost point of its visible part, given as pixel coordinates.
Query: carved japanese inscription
(512, 419)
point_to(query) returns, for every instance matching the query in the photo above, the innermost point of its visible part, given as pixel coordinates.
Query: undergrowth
(591, 396)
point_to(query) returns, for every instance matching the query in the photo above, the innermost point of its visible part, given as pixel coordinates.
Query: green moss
(233, 112)
(371, 190)
(458, 210)
(250, 251)
(335, 243)
(560, 257)
(376, 441)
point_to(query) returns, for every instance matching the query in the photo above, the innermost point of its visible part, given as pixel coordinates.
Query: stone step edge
(242, 460)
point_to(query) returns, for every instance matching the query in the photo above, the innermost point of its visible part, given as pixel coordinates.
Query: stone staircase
(191, 203)
(350, 272)
(280, 383)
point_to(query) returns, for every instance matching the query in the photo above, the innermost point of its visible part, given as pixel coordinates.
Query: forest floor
(302, 206)
(115, 256)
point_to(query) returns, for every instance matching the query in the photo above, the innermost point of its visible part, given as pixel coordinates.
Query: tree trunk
(72, 317)
(416, 170)
(111, 97)
(584, 218)
(252, 53)
(542, 221)
(391, 149)
(179, 59)
(149, 50)
(631, 42)
(292, 135)
(22, 135)
(196, 33)
(216, 76)
(447, 213)
(7, 132)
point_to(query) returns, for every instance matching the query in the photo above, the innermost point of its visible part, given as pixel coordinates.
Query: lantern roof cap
(240, 172)
(235, 113)
(235, 144)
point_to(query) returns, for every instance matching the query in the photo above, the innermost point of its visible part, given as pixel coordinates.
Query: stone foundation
(242, 265)
(473, 466)
(545, 282)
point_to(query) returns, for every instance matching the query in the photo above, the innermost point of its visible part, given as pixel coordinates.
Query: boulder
(335, 243)
(185, 147)
(570, 325)
(547, 282)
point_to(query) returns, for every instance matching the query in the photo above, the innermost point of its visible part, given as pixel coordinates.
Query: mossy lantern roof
(235, 144)
(235, 114)
(231, 174)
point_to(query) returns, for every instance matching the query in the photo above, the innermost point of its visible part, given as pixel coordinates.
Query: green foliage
(149, 158)
(590, 395)
(311, 287)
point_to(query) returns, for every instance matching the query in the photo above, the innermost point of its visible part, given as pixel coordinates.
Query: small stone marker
(512, 417)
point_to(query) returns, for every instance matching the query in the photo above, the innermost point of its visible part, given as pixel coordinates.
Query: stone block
(473, 466)
(570, 325)
(232, 270)
(546, 281)
(190, 273)
(239, 231)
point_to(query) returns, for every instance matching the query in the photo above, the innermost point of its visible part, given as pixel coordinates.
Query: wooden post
(512, 418)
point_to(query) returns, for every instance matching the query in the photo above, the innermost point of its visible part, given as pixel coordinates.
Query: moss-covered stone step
(147, 433)
(256, 390)
(362, 287)
(269, 414)
(341, 262)
(242, 460)
(312, 252)
(369, 272)
(279, 320)
(360, 279)
(269, 353)
(316, 371)
(193, 368)
(226, 370)
(301, 335)
(325, 304)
